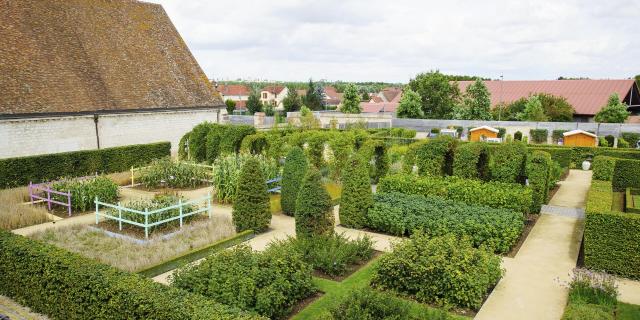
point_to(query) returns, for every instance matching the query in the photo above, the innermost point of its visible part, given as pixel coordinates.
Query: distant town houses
(274, 95)
(386, 101)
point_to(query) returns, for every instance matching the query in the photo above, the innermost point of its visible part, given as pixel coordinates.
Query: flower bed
(170, 174)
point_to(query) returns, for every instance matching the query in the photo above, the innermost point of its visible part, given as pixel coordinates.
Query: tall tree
(439, 96)
(351, 100)
(251, 209)
(613, 112)
(292, 102)
(556, 108)
(230, 105)
(313, 100)
(410, 105)
(365, 96)
(476, 103)
(533, 110)
(253, 103)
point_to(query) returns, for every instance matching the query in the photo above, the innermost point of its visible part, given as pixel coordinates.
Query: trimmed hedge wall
(402, 214)
(435, 158)
(538, 135)
(626, 174)
(611, 239)
(629, 205)
(603, 167)
(561, 155)
(508, 162)
(15, 172)
(471, 161)
(492, 194)
(65, 285)
(538, 173)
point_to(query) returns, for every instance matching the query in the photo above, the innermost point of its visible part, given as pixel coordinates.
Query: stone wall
(23, 137)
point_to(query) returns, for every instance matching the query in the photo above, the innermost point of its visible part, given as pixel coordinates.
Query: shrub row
(435, 158)
(491, 194)
(611, 238)
(471, 161)
(603, 167)
(626, 173)
(539, 166)
(269, 282)
(631, 138)
(207, 140)
(65, 285)
(401, 214)
(560, 155)
(507, 162)
(20, 171)
(446, 271)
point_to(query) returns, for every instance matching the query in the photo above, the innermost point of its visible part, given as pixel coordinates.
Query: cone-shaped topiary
(251, 209)
(356, 197)
(294, 171)
(314, 211)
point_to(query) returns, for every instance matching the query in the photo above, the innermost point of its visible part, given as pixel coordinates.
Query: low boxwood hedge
(64, 285)
(402, 214)
(491, 194)
(626, 173)
(15, 172)
(611, 238)
(603, 167)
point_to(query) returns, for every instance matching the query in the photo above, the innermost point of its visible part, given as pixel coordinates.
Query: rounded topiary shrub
(356, 198)
(443, 271)
(295, 168)
(314, 211)
(251, 208)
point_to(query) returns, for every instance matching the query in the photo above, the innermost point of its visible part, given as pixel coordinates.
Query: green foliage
(368, 304)
(626, 174)
(307, 119)
(85, 191)
(167, 173)
(533, 110)
(314, 97)
(231, 138)
(341, 145)
(351, 100)
(501, 132)
(610, 140)
(400, 214)
(438, 94)
(357, 196)
(156, 203)
(631, 137)
(471, 161)
(15, 172)
(507, 162)
(603, 167)
(374, 152)
(587, 312)
(183, 151)
(435, 157)
(557, 135)
(333, 254)
(476, 103)
(198, 141)
(613, 112)
(251, 206)
(295, 169)
(207, 141)
(517, 136)
(593, 287)
(314, 211)
(560, 155)
(230, 105)
(580, 154)
(602, 142)
(80, 288)
(410, 105)
(538, 173)
(444, 271)
(491, 194)
(611, 239)
(269, 283)
(538, 135)
(315, 147)
(226, 172)
(253, 103)
(556, 108)
(622, 143)
(292, 102)
(255, 144)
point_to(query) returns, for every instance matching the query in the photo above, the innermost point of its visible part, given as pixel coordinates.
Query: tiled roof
(391, 93)
(369, 107)
(233, 90)
(586, 96)
(90, 55)
(273, 89)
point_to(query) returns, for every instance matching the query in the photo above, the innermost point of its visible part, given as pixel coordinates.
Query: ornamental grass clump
(357, 196)
(170, 174)
(295, 168)
(251, 208)
(445, 271)
(592, 295)
(85, 191)
(314, 211)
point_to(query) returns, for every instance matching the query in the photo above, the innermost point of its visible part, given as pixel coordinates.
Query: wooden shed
(580, 138)
(475, 134)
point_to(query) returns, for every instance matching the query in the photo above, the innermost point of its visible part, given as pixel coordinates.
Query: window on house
(264, 95)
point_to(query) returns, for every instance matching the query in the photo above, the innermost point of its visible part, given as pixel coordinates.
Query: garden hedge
(630, 205)
(375, 152)
(295, 168)
(402, 214)
(471, 161)
(557, 134)
(435, 158)
(538, 135)
(507, 162)
(626, 173)
(603, 167)
(251, 206)
(538, 174)
(582, 153)
(631, 137)
(15, 172)
(65, 285)
(491, 194)
(209, 140)
(356, 196)
(611, 238)
(561, 155)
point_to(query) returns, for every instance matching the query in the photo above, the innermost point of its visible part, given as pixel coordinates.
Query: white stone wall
(23, 137)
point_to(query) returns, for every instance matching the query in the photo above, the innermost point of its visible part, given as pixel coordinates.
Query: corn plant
(84, 191)
(226, 171)
(167, 173)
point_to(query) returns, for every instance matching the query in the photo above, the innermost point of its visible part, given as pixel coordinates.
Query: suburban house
(387, 100)
(236, 92)
(586, 96)
(331, 96)
(274, 95)
(128, 78)
(390, 94)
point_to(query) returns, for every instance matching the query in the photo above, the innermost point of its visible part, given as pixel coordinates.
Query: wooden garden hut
(580, 138)
(476, 133)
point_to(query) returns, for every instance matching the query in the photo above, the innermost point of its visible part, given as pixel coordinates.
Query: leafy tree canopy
(410, 105)
(253, 103)
(533, 110)
(476, 103)
(292, 102)
(614, 111)
(438, 94)
(231, 105)
(351, 100)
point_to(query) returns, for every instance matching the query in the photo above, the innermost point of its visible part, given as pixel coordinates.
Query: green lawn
(628, 311)
(335, 291)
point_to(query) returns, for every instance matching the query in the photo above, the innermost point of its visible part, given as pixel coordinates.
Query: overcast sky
(393, 40)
